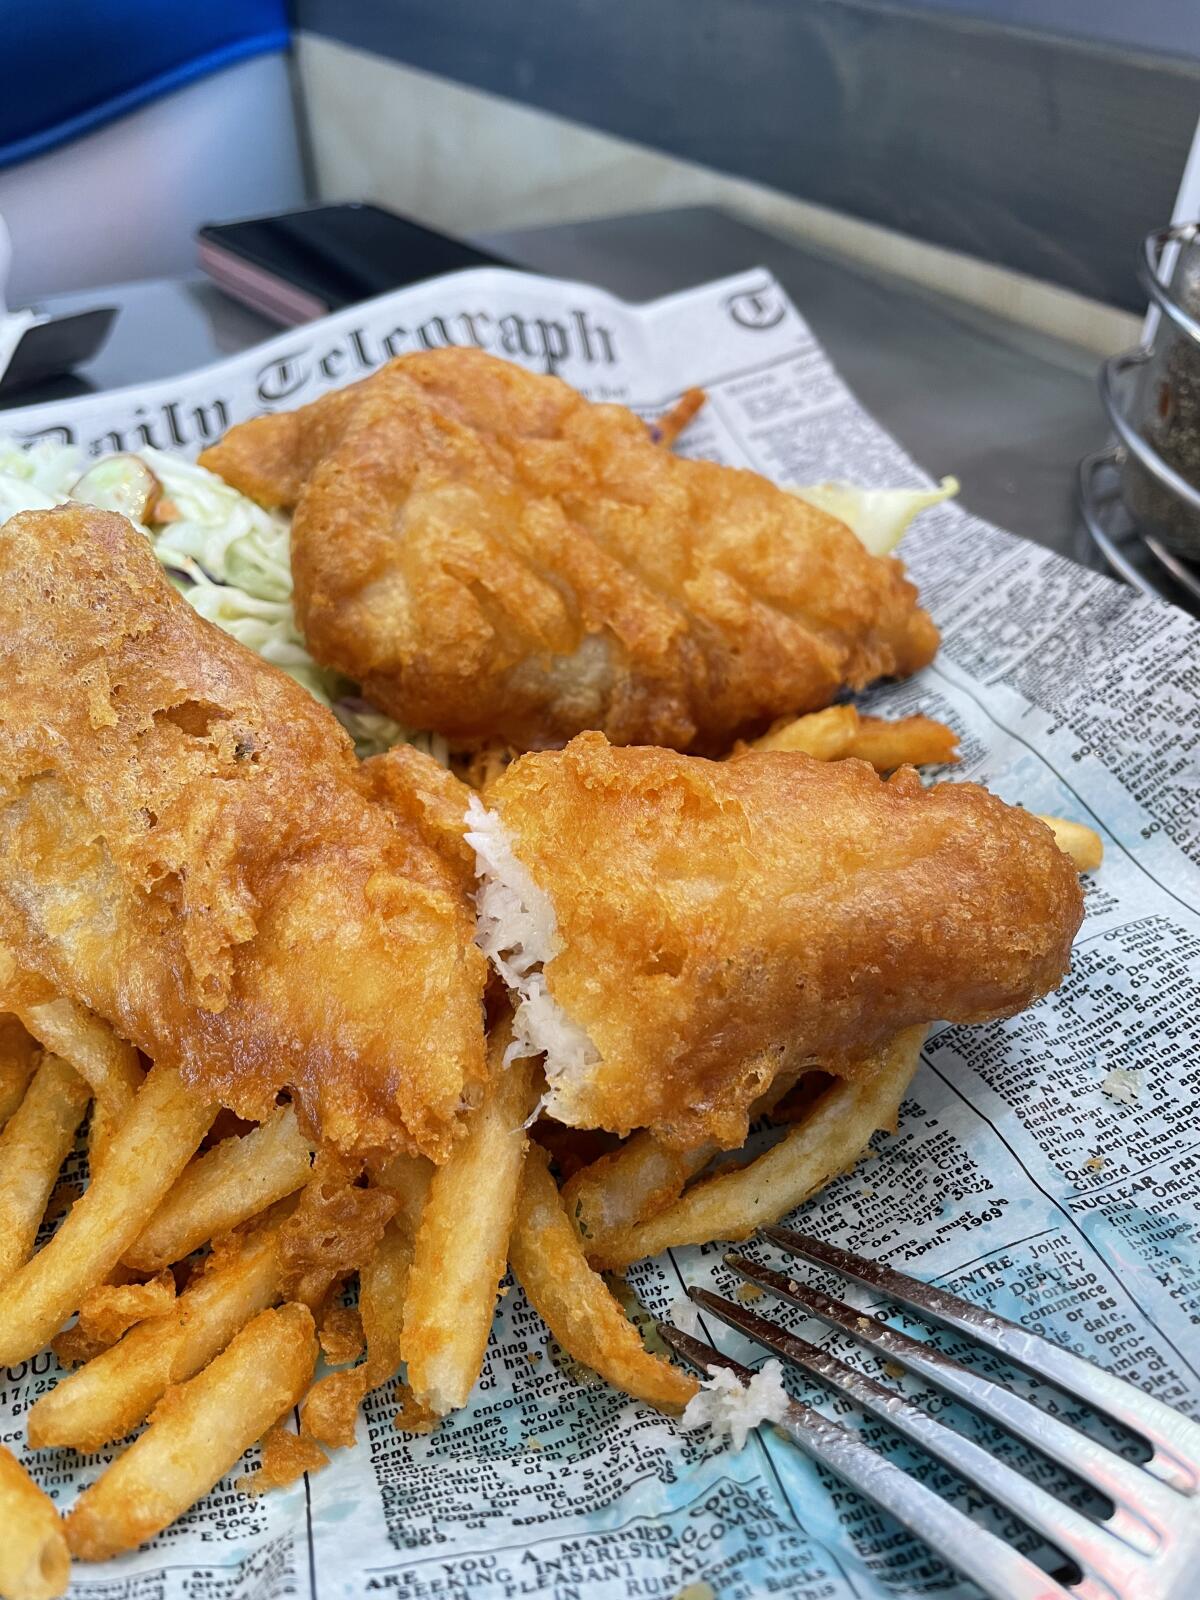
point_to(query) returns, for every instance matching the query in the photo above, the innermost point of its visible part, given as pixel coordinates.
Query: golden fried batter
(188, 847)
(719, 922)
(491, 556)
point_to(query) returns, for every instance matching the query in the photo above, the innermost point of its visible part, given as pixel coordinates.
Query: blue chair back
(71, 66)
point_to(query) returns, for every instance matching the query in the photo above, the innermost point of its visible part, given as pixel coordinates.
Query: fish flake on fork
(1146, 1548)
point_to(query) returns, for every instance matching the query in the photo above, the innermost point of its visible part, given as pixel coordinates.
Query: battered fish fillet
(188, 847)
(682, 930)
(491, 556)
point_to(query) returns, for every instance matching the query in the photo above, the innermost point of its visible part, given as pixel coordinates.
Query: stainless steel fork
(1146, 1548)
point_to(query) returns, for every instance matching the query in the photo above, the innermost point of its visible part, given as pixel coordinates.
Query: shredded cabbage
(880, 517)
(228, 557)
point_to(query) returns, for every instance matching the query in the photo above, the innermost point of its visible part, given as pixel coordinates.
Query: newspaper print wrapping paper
(1014, 1178)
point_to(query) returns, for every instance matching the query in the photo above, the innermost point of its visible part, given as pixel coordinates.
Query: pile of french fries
(198, 1277)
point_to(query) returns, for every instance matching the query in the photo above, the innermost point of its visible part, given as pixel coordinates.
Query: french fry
(731, 1205)
(19, 1056)
(574, 1302)
(109, 1064)
(107, 1398)
(223, 1188)
(672, 423)
(34, 1563)
(196, 1434)
(462, 1242)
(618, 1191)
(33, 1146)
(383, 1281)
(1084, 845)
(642, 1177)
(840, 732)
(903, 742)
(824, 735)
(161, 1132)
(330, 1409)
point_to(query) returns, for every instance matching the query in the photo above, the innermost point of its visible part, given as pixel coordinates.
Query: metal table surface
(1008, 412)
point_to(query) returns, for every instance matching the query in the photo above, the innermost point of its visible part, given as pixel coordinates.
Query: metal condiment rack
(1158, 550)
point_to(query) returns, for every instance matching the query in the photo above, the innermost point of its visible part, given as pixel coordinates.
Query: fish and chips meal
(433, 834)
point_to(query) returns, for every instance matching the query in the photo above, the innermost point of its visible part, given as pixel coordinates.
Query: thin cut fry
(617, 1191)
(196, 1434)
(19, 1056)
(383, 1280)
(331, 1407)
(733, 1204)
(839, 732)
(462, 1244)
(624, 1188)
(547, 1256)
(904, 742)
(107, 1063)
(824, 735)
(223, 1188)
(1084, 845)
(672, 423)
(34, 1564)
(149, 1151)
(33, 1146)
(107, 1398)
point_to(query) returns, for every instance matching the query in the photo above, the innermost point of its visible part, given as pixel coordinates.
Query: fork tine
(999, 1571)
(705, 1356)
(1100, 1557)
(1141, 1503)
(1174, 1439)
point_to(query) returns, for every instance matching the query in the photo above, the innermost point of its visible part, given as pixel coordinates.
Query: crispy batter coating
(721, 921)
(433, 799)
(110, 1309)
(286, 1456)
(491, 556)
(334, 1230)
(341, 1335)
(188, 847)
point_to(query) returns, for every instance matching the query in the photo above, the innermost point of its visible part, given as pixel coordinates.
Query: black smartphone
(303, 264)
